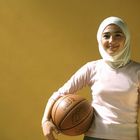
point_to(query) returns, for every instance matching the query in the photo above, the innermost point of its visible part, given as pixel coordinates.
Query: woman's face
(113, 39)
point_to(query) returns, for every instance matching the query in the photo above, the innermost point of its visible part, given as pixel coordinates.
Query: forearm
(47, 112)
(138, 119)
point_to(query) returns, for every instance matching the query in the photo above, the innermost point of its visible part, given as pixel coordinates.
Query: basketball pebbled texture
(72, 114)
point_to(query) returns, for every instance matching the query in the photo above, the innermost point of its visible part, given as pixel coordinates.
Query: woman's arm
(47, 112)
(47, 126)
(138, 119)
(76, 82)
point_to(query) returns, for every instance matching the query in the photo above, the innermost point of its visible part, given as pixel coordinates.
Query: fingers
(50, 131)
(55, 130)
(51, 136)
(54, 133)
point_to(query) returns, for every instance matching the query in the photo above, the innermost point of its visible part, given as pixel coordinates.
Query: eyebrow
(112, 32)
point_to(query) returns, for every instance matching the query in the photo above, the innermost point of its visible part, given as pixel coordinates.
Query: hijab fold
(121, 58)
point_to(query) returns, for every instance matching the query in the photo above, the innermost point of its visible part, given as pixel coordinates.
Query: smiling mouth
(112, 50)
(113, 47)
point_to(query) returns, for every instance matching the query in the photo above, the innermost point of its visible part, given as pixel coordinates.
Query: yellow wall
(42, 43)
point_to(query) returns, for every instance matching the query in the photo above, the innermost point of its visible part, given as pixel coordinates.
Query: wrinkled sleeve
(138, 119)
(139, 81)
(80, 79)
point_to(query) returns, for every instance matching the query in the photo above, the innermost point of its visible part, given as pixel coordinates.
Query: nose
(111, 39)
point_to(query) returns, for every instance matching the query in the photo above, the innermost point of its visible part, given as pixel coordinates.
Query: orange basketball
(72, 114)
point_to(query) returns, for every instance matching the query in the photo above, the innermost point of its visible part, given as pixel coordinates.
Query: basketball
(72, 114)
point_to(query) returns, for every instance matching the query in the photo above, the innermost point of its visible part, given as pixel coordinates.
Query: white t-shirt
(115, 98)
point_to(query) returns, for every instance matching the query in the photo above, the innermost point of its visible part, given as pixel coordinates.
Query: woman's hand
(49, 130)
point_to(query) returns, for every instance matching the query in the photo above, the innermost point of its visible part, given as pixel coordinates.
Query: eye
(119, 35)
(106, 36)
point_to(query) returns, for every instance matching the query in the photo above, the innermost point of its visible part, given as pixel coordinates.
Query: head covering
(121, 58)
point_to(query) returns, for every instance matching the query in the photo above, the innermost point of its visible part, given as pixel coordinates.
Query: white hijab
(123, 57)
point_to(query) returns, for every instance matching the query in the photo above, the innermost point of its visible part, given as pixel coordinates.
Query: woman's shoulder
(135, 64)
(94, 62)
(133, 67)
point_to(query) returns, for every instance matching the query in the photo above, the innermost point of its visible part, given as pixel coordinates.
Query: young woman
(114, 81)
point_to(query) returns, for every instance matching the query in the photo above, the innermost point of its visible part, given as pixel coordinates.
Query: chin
(112, 53)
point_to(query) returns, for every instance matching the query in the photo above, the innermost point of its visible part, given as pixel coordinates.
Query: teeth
(112, 47)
